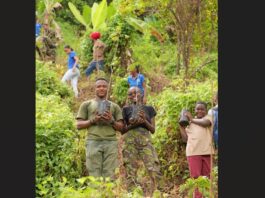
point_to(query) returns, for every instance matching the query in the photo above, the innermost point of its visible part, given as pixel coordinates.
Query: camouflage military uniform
(138, 146)
(49, 47)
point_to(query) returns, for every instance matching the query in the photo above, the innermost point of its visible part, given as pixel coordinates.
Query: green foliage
(56, 140)
(117, 38)
(89, 187)
(119, 92)
(159, 55)
(98, 188)
(87, 14)
(144, 27)
(202, 183)
(96, 15)
(202, 70)
(66, 15)
(86, 47)
(99, 15)
(48, 187)
(206, 33)
(47, 82)
(77, 14)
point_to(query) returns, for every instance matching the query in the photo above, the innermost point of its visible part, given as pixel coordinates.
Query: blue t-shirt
(71, 60)
(137, 82)
(37, 29)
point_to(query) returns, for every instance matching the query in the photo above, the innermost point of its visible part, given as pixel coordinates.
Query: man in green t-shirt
(101, 143)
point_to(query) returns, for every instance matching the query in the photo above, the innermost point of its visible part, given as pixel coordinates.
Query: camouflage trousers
(102, 158)
(138, 146)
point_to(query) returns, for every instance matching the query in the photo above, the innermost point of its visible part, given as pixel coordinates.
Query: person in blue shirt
(73, 72)
(136, 79)
(37, 28)
(214, 113)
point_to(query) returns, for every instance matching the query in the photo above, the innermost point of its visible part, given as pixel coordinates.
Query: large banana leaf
(87, 14)
(93, 10)
(110, 11)
(77, 14)
(137, 24)
(99, 15)
(102, 27)
(144, 27)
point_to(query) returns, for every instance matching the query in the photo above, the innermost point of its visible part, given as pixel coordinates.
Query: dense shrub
(48, 82)
(56, 142)
(97, 188)
(119, 92)
(202, 183)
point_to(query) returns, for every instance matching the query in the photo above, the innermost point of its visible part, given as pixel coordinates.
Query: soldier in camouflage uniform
(49, 41)
(137, 142)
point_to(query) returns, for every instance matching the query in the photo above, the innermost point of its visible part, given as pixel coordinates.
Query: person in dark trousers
(50, 43)
(198, 135)
(137, 142)
(98, 54)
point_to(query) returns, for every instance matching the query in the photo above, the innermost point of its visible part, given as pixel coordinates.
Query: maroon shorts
(199, 165)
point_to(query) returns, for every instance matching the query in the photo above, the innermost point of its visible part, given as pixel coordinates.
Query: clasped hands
(105, 117)
(140, 120)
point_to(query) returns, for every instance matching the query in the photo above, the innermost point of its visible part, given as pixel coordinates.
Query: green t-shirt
(88, 110)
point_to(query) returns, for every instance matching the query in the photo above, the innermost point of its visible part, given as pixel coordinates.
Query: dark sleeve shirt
(128, 111)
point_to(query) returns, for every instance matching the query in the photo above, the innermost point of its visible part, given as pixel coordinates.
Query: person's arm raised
(202, 122)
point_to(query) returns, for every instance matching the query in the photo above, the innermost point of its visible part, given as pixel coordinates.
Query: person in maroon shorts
(199, 143)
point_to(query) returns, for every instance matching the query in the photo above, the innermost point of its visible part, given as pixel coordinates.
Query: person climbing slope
(135, 79)
(50, 43)
(73, 72)
(198, 135)
(98, 54)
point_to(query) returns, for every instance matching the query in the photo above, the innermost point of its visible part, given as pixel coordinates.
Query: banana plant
(100, 13)
(45, 11)
(95, 16)
(144, 27)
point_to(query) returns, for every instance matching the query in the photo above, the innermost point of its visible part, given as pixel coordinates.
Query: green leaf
(100, 14)
(137, 24)
(111, 11)
(87, 14)
(93, 10)
(77, 14)
(102, 27)
(82, 180)
(144, 27)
